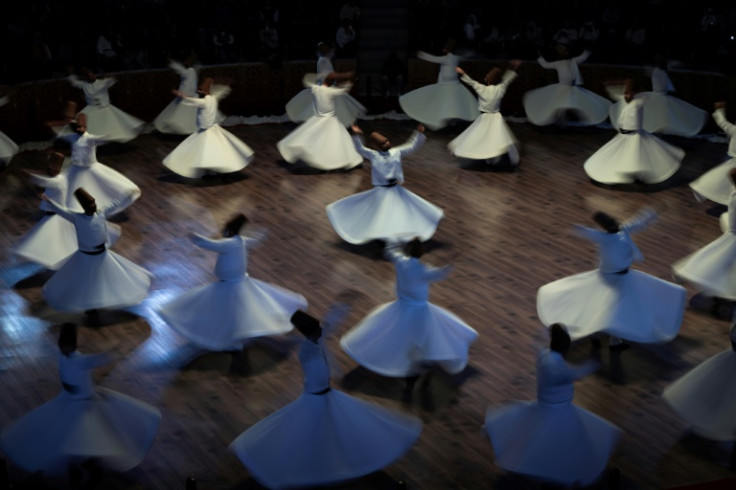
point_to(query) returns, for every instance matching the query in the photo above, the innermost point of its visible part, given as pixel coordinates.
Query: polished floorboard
(506, 232)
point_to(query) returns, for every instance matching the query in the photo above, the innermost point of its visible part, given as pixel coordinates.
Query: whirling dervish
(489, 137)
(388, 211)
(53, 239)
(302, 106)
(713, 268)
(106, 119)
(325, 436)
(550, 104)
(552, 439)
(705, 397)
(224, 314)
(84, 424)
(106, 184)
(437, 104)
(322, 142)
(405, 337)
(627, 304)
(8, 148)
(715, 185)
(94, 277)
(179, 117)
(211, 149)
(633, 154)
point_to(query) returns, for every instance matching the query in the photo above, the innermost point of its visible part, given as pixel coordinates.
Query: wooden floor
(506, 233)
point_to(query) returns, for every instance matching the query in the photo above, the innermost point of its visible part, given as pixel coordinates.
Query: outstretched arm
(588, 233)
(431, 58)
(59, 209)
(416, 140)
(118, 205)
(582, 57)
(216, 245)
(720, 117)
(641, 220)
(75, 81)
(359, 147)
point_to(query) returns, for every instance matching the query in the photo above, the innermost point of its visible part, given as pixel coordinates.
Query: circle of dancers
(332, 436)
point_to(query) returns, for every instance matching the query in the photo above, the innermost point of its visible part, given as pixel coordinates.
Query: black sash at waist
(391, 183)
(71, 389)
(98, 249)
(321, 392)
(627, 131)
(48, 213)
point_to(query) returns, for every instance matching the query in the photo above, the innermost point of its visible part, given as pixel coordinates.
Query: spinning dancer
(713, 267)
(627, 304)
(322, 141)
(8, 148)
(94, 277)
(633, 154)
(301, 107)
(552, 439)
(705, 397)
(489, 136)
(437, 104)
(402, 338)
(211, 149)
(178, 117)
(84, 425)
(108, 185)
(222, 315)
(53, 239)
(388, 211)
(324, 436)
(715, 184)
(106, 119)
(548, 105)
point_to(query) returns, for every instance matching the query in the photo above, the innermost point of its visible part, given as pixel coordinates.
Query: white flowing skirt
(320, 142)
(223, 314)
(634, 156)
(712, 268)
(546, 105)
(384, 213)
(437, 104)
(397, 338)
(178, 118)
(88, 282)
(113, 429)
(105, 184)
(715, 185)
(667, 114)
(633, 306)
(53, 240)
(112, 123)
(559, 443)
(323, 439)
(347, 109)
(488, 137)
(211, 150)
(705, 397)
(8, 148)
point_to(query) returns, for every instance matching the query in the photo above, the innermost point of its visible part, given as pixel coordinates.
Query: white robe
(715, 184)
(399, 338)
(103, 117)
(437, 104)
(713, 268)
(552, 439)
(322, 141)
(105, 184)
(94, 277)
(8, 148)
(82, 423)
(489, 136)
(301, 106)
(705, 397)
(222, 315)
(211, 148)
(546, 105)
(633, 154)
(388, 211)
(324, 436)
(630, 305)
(177, 117)
(53, 239)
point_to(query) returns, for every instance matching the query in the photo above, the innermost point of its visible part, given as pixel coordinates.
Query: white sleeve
(431, 58)
(720, 117)
(209, 243)
(416, 140)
